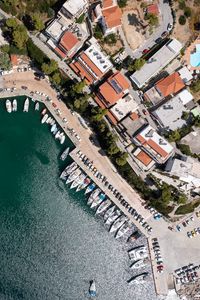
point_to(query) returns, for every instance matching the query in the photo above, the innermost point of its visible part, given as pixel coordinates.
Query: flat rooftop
(156, 63)
(75, 6)
(55, 29)
(123, 107)
(98, 58)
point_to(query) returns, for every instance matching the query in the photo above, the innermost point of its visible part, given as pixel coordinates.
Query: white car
(169, 26)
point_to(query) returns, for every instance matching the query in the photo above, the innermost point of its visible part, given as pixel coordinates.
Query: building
(152, 9)
(156, 63)
(153, 144)
(143, 159)
(91, 64)
(72, 9)
(123, 107)
(185, 75)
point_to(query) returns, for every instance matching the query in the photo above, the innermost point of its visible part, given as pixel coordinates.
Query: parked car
(145, 51)
(164, 34)
(158, 40)
(169, 26)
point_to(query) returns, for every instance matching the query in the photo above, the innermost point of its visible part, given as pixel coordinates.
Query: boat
(8, 106)
(68, 170)
(57, 134)
(65, 154)
(62, 139)
(90, 188)
(93, 196)
(140, 278)
(73, 175)
(44, 111)
(134, 236)
(53, 127)
(103, 206)
(98, 200)
(14, 105)
(26, 105)
(109, 212)
(113, 217)
(140, 263)
(55, 131)
(44, 118)
(124, 229)
(48, 120)
(83, 185)
(37, 106)
(92, 289)
(118, 223)
(138, 253)
(78, 180)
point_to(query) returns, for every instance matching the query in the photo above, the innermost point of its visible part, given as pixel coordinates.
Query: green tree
(174, 136)
(5, 63)
(166, 194)
(98, 34)
(122, 3)
(110, 39)
(56, 78)
(11, 23)
(78, 87)
(182, 20)
(49, 68)
(97, 114)
(182, 4)
(195, 87)
(153, 19)
(113, 149)
(81, 19)
(35, 53)
(5, 48)
(122, 159)
(38, 23)
(20, 36)
(138, 64)
(187, 12)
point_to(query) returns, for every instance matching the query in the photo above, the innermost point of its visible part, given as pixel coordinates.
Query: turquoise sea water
(51, 243)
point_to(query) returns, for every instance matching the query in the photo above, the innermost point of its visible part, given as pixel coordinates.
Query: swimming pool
(195, 57)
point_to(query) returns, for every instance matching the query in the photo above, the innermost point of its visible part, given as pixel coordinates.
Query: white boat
(140, 278)
(14, 105)
(98, 200)
(57, 134)
(138, 253)
(109, 212)
(65, 154)
(92, 289)
(118, 223)
(8, 106)
(44, 111)
(115, 215)
(37, 106)
(55, 131)
(48, 120)
(68, 170)
(140, 263)
(83, 185)
(124, 229)
(93, 196)
(62, 139)
(103, 206)
(44, 118)
(90, 188)
(78, 180)
(26, 105)
(53, 127)
(73, 175)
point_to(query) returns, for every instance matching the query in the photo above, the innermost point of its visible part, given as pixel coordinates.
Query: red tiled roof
(170, 85)
(60, 52)
(109, 114)
(112, 16)
(14, 59)
(91, 65)
(107, 3)
(144, 158)
(157, 148)
(79, 70)
(153, 9)
(68, 40)
(140, 139)
(134, 116)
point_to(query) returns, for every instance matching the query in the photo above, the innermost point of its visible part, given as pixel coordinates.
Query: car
(198, 214)
(145, 112)
(178, 227)
(193, 233)
(189, 234)
(157, 216)
(164, 34)
(169, 26)
(54, 105)
(192, 218)
(145, 51)
(184, 224)
(158, 40)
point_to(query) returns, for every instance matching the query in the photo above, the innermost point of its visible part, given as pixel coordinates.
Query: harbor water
(51, 242)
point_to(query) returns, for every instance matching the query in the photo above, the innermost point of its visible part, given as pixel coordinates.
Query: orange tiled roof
(79, 70)
(157, 148)
(144, 158)
(140, 139)
(91, 65)
(108, 91)
(170, 85)
(134, 116)
(68, 40)
(107, 3)
(14, 59)
(153, 9)
(112, 16)
(109, 114)
(60, 52)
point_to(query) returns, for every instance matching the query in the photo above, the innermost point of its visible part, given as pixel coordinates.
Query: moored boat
(124, 229)
(14, 105)
(115, 215)
(65, 154)
(103, 206)
(78, 180)
(138, 253)
(73, 175)
(68, 170)
(55, 131)
(37, 106)
(57, 134)
(83, 185)
(8, 106)
(92, 289)
(26, 105)
(109, 212)
(90, 188)
(140, 278)
(140, 263)
(44, 111)
(62, 139)
(118, 223)
(53, 127)
(93, 196)
(48, 120)
(98, 200)
(44, 118)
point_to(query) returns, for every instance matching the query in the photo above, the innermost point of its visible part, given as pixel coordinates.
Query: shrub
(182, 20)
(187, 208)
(187, 12)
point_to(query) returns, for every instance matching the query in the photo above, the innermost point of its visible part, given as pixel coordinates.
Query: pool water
(195, 57)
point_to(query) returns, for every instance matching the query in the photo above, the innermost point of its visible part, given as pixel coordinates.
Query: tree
(78, 87)
(182, 20)
(153, 19)
(110, 39)
(122, 3)
(138, 64)
(56, 78)
(50, 67)
(166, 194)
(35, 53)
(5, 61)
(5, 48)
(113, 149)
(182, 4)
(187, 12)
(20, 36)
(38, 24)
(11, 23)
(122, 159)
(97, 114)
(174, 136)
(98, 34)
(80, 19)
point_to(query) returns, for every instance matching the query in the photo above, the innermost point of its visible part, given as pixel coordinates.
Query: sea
(51, 243)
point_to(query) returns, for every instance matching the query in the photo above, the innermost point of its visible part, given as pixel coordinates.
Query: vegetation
(4, 61)
(182, 20)
(81, 19)
(187, 208)
(137, 64)
(110, 39)
(153, 19)
(195, 86)
(37, 22)
(97, 31)
(185, 149)
(50, 67)
(187, 12)
(122, 3)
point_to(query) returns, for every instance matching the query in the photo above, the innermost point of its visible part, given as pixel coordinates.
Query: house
(152, 9)
(156, 63)
(72, 9)
(91, 64)
(143, 159)
(153, 144)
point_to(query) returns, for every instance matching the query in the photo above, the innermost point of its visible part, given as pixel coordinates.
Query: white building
(72, 9)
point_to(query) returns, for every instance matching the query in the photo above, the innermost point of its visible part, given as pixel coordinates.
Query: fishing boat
(140, 278)
(138, 253)
(118, 223)
(83, 185)
(93, 196)
(57, 134)
(98, 200)
(78, 180)
(109, 212)
(14, 105)
(65, 154)
(68, 170)
(115, 215)
(92, 289)
(44, 111)
(44, 118)
(103, 206)
(124, 229)
(140, 263)
(73, 175)
(90, 188)
(37, 106)
(62, 139)
(8, 106)
(26, 105)
(53, 127)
